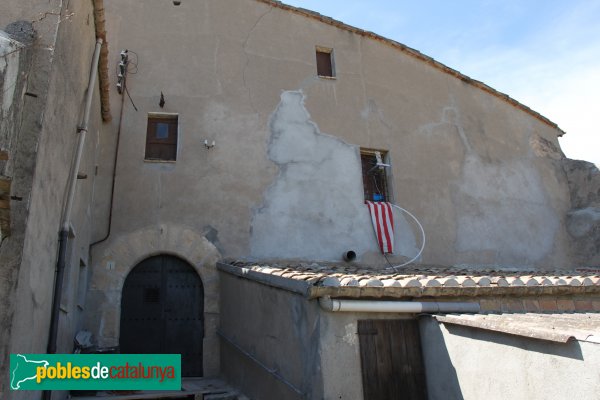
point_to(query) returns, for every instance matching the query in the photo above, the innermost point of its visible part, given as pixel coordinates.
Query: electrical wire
(424, 239)
(130, 99)
(133, 63)
(388, 261)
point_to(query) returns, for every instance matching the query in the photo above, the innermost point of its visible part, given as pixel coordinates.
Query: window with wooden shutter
(161, 137)
(325, 66)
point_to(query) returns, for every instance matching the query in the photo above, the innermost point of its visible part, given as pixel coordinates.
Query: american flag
(383, 224)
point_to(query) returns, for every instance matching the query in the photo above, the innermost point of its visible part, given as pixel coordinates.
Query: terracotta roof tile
(426, 280)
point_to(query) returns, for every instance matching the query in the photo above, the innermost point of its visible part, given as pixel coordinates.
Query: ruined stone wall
(48, 107)
(15, 59)
(583, 220)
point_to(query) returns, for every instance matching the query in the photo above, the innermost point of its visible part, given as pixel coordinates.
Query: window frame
(368, 160)
(156, 145)
(331, 66)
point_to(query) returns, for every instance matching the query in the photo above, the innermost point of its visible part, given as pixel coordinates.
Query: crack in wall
(246, 54)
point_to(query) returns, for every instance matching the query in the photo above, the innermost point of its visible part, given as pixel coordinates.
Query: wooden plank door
(391, 360)
(162, 312)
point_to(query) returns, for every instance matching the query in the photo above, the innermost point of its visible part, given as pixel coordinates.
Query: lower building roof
(356, 281)
(561, 327)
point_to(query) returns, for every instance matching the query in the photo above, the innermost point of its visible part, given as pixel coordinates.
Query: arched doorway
(162, 312)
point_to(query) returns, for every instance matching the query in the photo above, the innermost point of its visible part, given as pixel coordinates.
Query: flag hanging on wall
(383, 224)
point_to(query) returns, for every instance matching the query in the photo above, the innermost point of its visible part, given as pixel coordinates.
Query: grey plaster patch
(503, 207)
(9, 71)
(22, 31)
(212, 235)
(315, 208)
(581, 222)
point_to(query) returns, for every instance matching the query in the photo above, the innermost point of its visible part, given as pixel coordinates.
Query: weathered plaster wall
(56, 82)
(282, 181)
(466, 363)
(315, 205)
(340, 352)
(274, 327)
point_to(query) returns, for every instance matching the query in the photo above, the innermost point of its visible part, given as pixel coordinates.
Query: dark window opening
(161, 137)
(374, 173)
(325, 62)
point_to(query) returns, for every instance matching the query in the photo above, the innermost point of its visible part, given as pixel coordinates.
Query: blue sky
(546, 54)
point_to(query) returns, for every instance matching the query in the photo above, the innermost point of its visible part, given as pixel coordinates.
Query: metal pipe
(114, 171)
(329, 304)
(65, 226)
(58, 284)
(82, 129)
(349, 256)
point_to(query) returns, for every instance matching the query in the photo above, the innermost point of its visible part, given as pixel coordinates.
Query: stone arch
(113, 260)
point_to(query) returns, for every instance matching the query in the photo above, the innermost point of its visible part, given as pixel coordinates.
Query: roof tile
(427, 280)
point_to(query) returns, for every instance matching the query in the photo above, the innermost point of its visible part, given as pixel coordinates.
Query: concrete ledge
(299, 287)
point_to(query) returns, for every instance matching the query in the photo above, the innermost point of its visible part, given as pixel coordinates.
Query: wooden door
(392, 365)
(162, 312)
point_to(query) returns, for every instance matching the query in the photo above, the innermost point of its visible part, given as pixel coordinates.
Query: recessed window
(161, 137)
(325, 65)
(375, 175)
(82, 284)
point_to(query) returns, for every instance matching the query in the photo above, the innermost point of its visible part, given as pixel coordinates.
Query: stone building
(250, 133)
(46, 50)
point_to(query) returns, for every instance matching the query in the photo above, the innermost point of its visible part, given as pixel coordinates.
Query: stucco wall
(468, 363)
(282, 181)
(280, 330)
(56, 82)
(315, 204)
(340, 352)
(316, 352)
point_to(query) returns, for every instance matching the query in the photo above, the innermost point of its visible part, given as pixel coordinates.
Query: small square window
(161, 137)
(374, 173)
(162, 130)
(325, 66)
